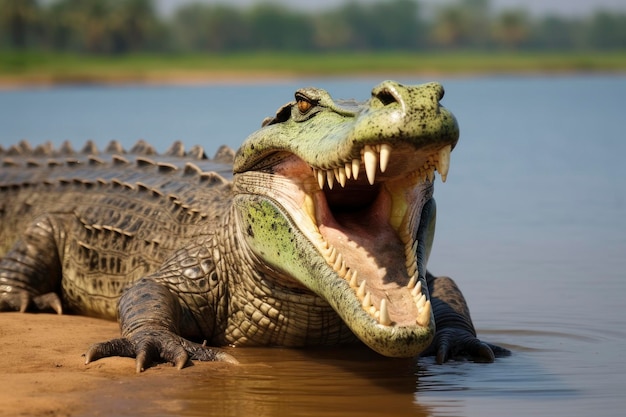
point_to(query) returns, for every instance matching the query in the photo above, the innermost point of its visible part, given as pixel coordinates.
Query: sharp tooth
(361, 291)
(423, 317)
(321, 178)
(384, 318)
(385, 151)
(340, 175)
(353, 281)
(418, 288)
(330, 178)
(412, 269)
(444, 162)
(332, 255)
(415, 291)
(430, 173)
(370, 158)
(412, 282)
(322, 244)
(338, 262)
(409, 253)
(348, 169)
(367, 300)
(356, 166)
(309, 209)
(420, 302)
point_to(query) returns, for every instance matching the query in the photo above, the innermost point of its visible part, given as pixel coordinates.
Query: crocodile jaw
(372, 266)
(377, 252)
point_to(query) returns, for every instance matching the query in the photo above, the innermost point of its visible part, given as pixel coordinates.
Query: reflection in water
(354, 381)
(339, 381)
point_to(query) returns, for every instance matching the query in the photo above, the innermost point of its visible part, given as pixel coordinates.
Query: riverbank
(43, 374)
(25, 69)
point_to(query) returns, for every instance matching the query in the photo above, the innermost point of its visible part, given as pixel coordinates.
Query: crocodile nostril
(386, 97)
(390, 93)
(440, 93)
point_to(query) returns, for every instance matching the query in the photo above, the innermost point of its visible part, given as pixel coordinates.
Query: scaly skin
(321, 238)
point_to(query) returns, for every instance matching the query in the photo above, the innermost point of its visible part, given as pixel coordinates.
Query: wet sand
(42, 372)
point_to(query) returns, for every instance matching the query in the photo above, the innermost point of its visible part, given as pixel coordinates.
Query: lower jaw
(383, 259)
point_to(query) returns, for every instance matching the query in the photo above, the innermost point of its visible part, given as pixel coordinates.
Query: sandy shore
(42, 372)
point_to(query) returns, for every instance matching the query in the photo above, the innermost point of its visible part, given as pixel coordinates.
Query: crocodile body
(316, 232)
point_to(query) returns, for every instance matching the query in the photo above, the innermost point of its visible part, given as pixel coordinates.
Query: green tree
(391, 24)
(556, 33)
(607, 31)
(19, 21)
(82, 25)
(275, 27)
(512, 29)
(462, 24)
(132, 25)
(103, 26)
(203, 27)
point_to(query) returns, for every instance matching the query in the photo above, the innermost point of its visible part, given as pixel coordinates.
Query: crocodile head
(337, 197)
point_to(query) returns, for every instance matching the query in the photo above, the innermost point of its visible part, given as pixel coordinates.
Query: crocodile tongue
(366, 244)
(378, 290)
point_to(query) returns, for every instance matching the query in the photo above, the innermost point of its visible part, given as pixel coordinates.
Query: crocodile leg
(30, 273)
(154, 316)
(455, 335)
(150, 320)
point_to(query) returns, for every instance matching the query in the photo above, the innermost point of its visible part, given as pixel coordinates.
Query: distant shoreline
(32, 69)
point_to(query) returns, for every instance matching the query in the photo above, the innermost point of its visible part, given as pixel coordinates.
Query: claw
(115, 347)
(442, 353)
(484, 354)
(49, 300)
(151, 349)
(141, 362)
(213, 355)
(24, 301)
(21, 300)
(455, 344)
(181, 362)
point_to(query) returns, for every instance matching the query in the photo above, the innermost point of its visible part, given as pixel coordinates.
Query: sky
(536, 7)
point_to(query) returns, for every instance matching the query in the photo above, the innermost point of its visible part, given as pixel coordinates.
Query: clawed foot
(23, 300)
(153, 346)
(452, 343)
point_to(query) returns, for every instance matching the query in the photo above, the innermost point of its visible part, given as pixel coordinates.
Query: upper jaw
(375, 161)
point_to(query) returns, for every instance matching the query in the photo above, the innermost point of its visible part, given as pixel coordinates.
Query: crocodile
(317, 231)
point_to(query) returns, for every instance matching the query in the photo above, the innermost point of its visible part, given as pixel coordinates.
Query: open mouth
(366, 221)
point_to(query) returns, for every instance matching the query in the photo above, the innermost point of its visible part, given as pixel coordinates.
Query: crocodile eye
(304, 105)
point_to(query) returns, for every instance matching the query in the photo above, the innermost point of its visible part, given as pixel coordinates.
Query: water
(531, 224)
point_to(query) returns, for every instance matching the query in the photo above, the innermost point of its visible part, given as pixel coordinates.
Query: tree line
(124, 26)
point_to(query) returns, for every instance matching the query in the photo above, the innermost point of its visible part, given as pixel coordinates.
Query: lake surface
(531, 224)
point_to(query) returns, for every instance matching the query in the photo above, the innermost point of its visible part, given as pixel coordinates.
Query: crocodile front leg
(30, 273)
(158, 312)
(455, 335)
